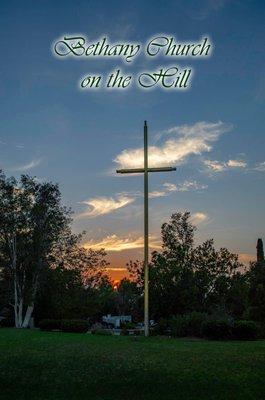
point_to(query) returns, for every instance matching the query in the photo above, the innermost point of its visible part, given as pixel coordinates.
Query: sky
(213, 132)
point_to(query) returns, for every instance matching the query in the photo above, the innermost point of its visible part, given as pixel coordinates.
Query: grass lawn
(43, 365)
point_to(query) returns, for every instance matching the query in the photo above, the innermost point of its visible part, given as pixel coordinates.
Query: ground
(52, 365)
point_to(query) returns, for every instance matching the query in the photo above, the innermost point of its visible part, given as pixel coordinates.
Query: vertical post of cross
(146, 247)
(145, 170)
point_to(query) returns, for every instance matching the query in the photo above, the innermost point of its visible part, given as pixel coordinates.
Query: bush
(178, 326)
(245, 330)
(256, 313)
(102, 332)
(7, 322)
(187, 324)
(217, 329)
(127, 325)
(194, 322)
(66, 325)
(124, 332)
(74, 325)
(161, 328)
(261, 331)
(49, 324)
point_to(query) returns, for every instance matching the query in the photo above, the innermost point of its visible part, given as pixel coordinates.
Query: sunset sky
(213, 133)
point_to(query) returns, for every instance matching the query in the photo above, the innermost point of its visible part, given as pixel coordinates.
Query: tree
(185, 278)
(214, 274)
(256, 279)
(127, 296)
(31, 221)
(178, 236)
(76, 285)
(69, 254)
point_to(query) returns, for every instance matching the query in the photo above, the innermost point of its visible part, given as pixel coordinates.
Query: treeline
(46, 273)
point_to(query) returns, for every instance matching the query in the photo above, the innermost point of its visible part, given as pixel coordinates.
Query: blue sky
(213, 133)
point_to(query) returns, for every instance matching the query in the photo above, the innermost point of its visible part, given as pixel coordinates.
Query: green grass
(43, 365)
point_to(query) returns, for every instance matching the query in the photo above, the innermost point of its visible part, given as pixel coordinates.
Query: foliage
(68, 254)
(178, 326)
(36, 239)
(217, 329)
(127, 325)
(74, 325)
(7, 322)
(49, 324)
(102, 332)
(45, 270)
(185, 278)
(31, 220)
(126, 298)
(199, 324)
(161, 328)
(194, 322)
(245, 330)
(256, 295)
(65, 325)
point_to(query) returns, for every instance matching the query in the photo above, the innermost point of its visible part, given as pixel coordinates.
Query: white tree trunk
(18, 310)
(20, 313)
(20, 322)
(28, 315)
(16, 315)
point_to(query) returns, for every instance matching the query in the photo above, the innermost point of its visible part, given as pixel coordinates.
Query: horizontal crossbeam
(142, 170)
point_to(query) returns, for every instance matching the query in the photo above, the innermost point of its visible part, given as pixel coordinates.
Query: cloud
(185, 186)
(217, 166)
(170, 187)
(187, 140)
(157, 193)
(236, 164)
(104, 205)
(26, 167)
(181, 187)
(115, 243)
(260, 167)
(199, 217)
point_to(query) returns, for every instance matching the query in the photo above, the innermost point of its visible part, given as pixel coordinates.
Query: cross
(145, 171)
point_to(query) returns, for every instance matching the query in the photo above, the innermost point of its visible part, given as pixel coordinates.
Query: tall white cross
(145, 171)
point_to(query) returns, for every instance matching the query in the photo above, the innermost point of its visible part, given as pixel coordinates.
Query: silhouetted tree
(184, 278)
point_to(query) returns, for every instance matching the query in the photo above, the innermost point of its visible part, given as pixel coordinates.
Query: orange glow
(117, 274)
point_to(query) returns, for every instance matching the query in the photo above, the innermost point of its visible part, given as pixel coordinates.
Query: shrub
(7, 323)
(74, 325)
(49, 324)
(217, 329)
(245, 330)
(161, 328)
(261, 331)
(178, 326)
(256, 313)
(193, 323)
(124, 332)
(102, 332)
(127, 325)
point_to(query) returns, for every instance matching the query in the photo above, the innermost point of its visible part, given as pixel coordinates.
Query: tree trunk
(20, 313)
(18, 310)
(16, 315)
(28, 315)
